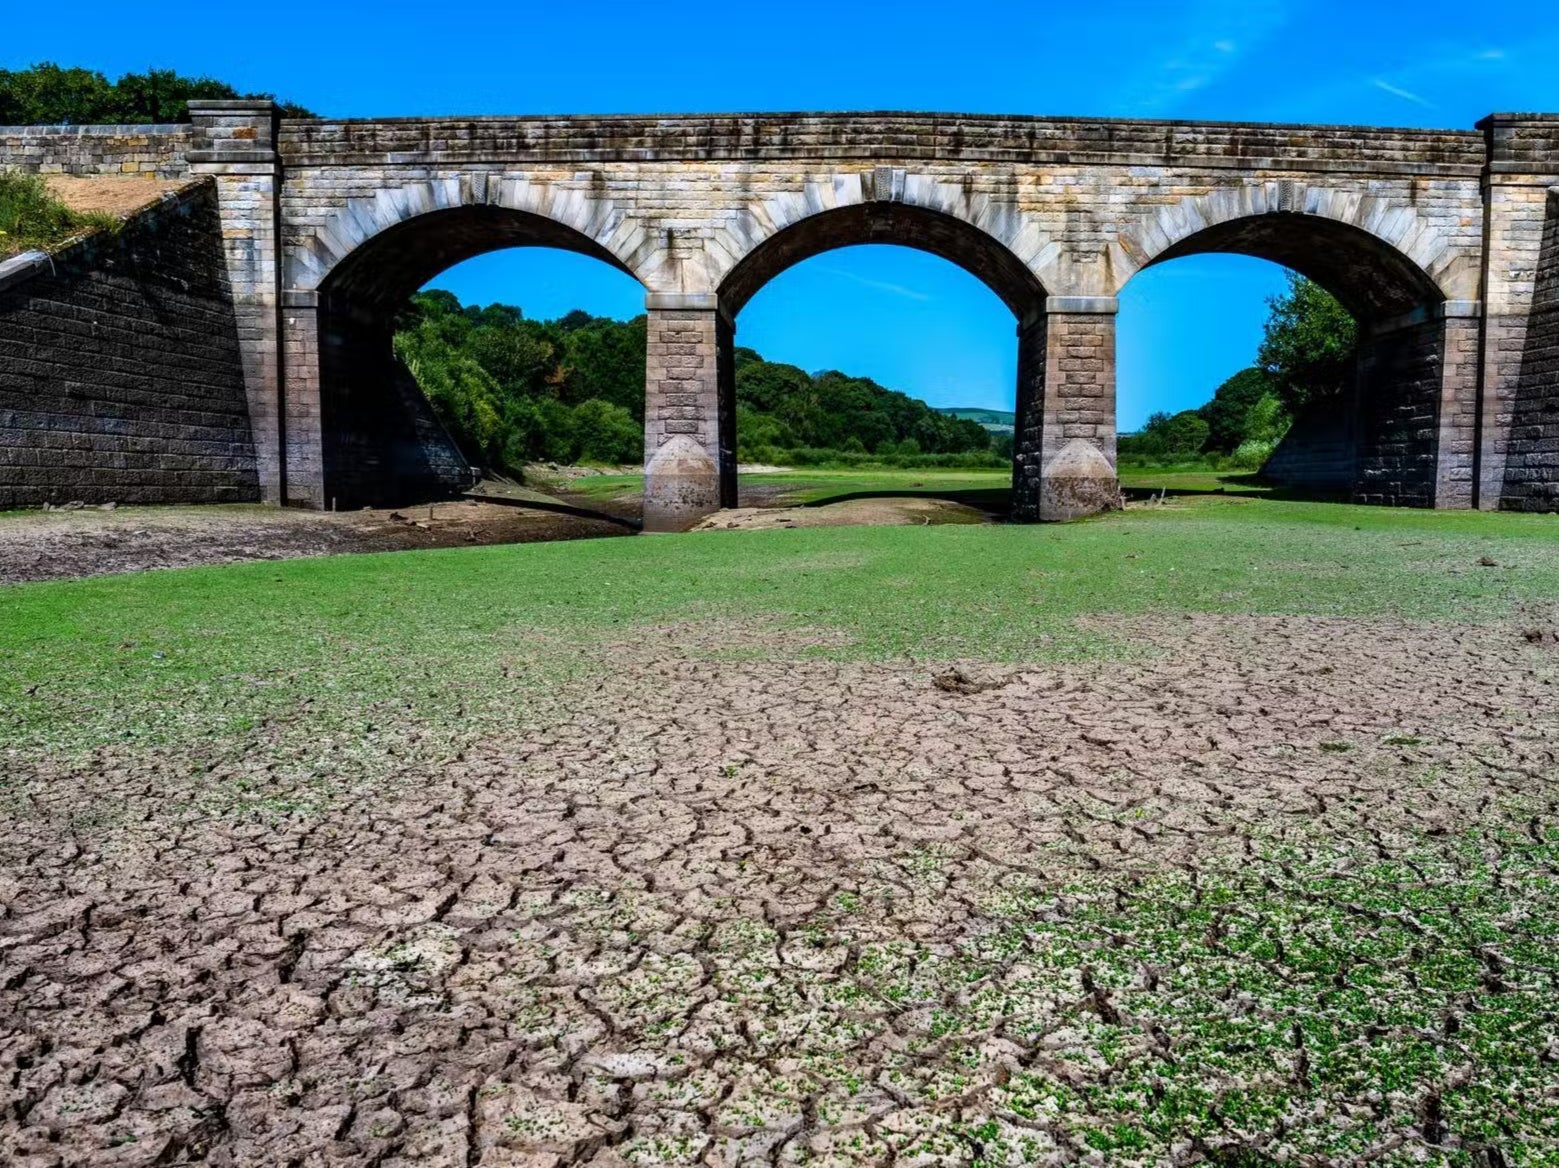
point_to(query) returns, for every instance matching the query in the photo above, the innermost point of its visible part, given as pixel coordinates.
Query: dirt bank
(56, 545)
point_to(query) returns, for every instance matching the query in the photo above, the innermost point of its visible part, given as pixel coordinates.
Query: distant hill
(996, 421)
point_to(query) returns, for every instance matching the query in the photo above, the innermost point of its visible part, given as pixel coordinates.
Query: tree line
(46, 94)
(513, 390)
(1304, 363)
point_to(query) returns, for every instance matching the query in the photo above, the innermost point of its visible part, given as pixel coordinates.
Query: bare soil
(659, 922)
(885, 512)
(55, 545)
(64, 544)
(111, 194)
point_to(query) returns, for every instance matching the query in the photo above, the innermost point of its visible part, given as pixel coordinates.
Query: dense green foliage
(1166, 435)
(782, 410)
(46, 94)
(1240, 406)
(513, 390)
(31, 217)
(1309, 346)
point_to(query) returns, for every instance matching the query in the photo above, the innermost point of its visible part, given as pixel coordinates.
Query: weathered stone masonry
(1520, 422)
(327, 226)
(120, 376)
(157, 151)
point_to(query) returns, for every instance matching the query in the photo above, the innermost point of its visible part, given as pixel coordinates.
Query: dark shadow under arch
(382, 443)
(1373, 280)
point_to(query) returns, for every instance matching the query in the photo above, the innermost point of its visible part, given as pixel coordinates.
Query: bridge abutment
(234, 142)
(1518, 444)
(302, 481)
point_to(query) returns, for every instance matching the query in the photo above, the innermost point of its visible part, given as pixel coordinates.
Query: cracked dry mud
(720, 913)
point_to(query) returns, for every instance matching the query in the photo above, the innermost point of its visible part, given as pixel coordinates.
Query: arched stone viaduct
(1445, 245)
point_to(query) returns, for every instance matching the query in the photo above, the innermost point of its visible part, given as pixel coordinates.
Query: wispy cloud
(1213, 38)
(1398, 91)
(878, 285)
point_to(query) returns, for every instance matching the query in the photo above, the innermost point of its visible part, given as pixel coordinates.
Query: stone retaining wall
(120, 373)
(1532, 457)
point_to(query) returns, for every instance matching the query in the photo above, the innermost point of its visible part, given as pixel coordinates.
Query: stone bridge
(309, 235)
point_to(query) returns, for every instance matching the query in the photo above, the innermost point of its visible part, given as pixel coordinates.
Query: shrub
(606, 433)
(1252, 454)
(31, 217)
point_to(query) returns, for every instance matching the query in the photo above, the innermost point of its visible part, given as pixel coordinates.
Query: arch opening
(382, 441)
(967, 247)
(852, 360)
(1392, 432)
(1373, 280)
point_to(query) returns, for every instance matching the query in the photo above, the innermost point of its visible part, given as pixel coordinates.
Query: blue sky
(909, 320)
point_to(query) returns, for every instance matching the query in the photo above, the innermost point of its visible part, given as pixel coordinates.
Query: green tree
(607, 433)
(49, 94)
(520, 359)
(1267, 420)
(1228, 413)
(1185, 433)
(1309, 346)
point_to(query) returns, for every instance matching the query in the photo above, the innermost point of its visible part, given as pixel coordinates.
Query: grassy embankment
(33, 219)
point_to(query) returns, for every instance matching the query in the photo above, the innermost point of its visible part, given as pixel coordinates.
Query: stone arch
(379, 440)
(988, 237)
(447, 220)
(1402, 431)
(1343, 239)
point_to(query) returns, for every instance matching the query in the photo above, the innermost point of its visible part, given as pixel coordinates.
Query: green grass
(33, 219)
(810, 486)
(1190, 477)
(457, 636)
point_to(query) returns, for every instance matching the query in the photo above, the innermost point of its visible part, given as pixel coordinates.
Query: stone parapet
(155, 151)
(884, 135)
(1522, 146)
